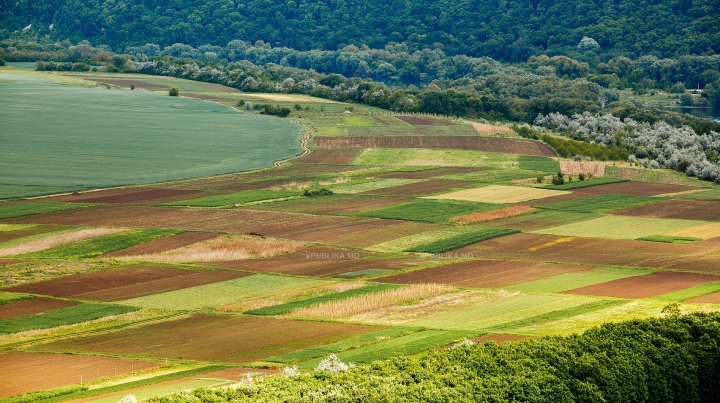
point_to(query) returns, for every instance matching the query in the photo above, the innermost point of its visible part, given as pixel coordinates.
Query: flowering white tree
(290, 371)
(587, 43)
(333, 364)
(128, 399)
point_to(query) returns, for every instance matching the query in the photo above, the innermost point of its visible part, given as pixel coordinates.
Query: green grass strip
(558, 314)
(30, 208)
(463, 240)
(669, 239)
(233, 198)
(82, 392)
(9, 297)
(431, 211)
(63, 316)
(304, 303)
(586, 183)
(103, 244)
(344, 345)
(689, 293)
(601, 203)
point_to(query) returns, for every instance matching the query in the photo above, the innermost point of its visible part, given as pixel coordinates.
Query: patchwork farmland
(395, 235)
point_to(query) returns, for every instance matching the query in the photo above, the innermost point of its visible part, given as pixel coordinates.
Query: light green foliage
(8, 297)
(223, 293)
(423, 238)
(689, 293)
(478, 234)
(435, 157)
(31, 208)
(620, 227)
(432, 211)
(351, 188)
(233, 198)
(97, 246)
(542, 219)
(63, 316)
(670, 239)
(577, 184)
(601, 203)
(535, 163)
(570, 281)
(347, 344)
(146, 137)
(15, 227)
(304, 303)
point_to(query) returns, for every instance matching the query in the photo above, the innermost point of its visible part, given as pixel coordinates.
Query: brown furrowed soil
(419, 188)
(424, 121)
(646, 286)
(164, 244)
(237, 221)
(634, 188)
(500, 145)
(32, 306)
(220, 338)
(41, 229)
(127, 83)
(330, 156)
(5, 262)
(485, 273)
(713, 298)
(683, 209)
(129, 195)
(331, 205)
(379, 235)
(429, 173)
(30, 372)
(691, 257)
(328, 235)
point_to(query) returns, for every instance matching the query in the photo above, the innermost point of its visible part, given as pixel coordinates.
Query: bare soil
(682, 209)
(32, 306)
(164, 244)
(646, 286)
(419, 188)
(330, 156)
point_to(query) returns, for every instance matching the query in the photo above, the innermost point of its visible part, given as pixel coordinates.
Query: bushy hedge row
(675, 359)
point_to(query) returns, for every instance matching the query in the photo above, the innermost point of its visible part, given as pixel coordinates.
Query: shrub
(558, 179)
(319, 192)
(174, 91)
(333, 364)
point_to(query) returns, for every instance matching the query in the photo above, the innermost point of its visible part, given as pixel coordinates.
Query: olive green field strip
(620, 227)
(304, 303)
(430, 211)
(578, 184)
(459, 241)
(59, 317)
(233, 198)
(31, 208)
(100, 245)
(601, 203)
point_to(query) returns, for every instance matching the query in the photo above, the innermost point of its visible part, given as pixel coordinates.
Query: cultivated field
(499, 194)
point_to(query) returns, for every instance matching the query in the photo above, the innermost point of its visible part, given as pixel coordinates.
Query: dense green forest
(675, 359)
(507, 31)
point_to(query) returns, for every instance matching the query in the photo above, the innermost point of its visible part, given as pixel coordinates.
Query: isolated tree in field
(174, 91)
(333, 364)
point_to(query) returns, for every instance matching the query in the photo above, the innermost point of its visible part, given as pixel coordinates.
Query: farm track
(303, 145)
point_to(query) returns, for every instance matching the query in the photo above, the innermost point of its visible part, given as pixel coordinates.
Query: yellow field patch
(685, 192)
(705, 231)
(551, 243)
(289, 98)
(500, 194)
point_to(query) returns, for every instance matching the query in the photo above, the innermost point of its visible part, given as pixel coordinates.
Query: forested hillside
(507, 31)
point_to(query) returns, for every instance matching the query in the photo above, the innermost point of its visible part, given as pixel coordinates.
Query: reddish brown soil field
(429, 173)
(683, 209)
(501, 145)
(634, 188)
(375, 236)
(553, 199)
(5, 262)
(129, 195)
(220, 338)
(32, 306)
(419, 188)
(646, 286)
(330, 156)
(127, 83)
(126, 282)
(164, 244)
(329, 234)
(10, 235)
(713, 298)
(30, 372)
(331, 205)
(484, 273)
(423, 121)
(238, 221)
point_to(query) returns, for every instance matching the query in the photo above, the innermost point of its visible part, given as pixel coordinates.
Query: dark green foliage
(675, 359)
(433, 211)
(304, 303)
(174, 91)
(459, 241)
(231, 199)
(601, 203)
(319, 192)
(276, 110)
(587, 183)
(542, 164)
(559, 179)
(97, 246)
(23, 209)
(669, 239)
(63, 316)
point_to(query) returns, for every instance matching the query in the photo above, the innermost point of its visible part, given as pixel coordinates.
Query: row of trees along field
(508, 31)
(675, 359)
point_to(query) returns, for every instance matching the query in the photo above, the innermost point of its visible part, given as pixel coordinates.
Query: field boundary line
(303, 145)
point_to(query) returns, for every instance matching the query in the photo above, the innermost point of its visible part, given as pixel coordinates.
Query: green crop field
(360, 187)
(462, 240)
(689, 293)
(103, 244)
(24, 209)
(669, 239)
(145, 137)
(601, 203)
(435, 157)
(431, 211)
(423, 238)
(541, 164)
(586, 183)
(8, 297)
(233, 198)
(63, 316)
(224, 293)
(449, 130)
(620, 227)
(570, 281)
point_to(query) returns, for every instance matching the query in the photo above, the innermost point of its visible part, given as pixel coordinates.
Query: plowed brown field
(30, 372)
(500, 145)
(375, 236)
(220, 338)
(646, 286)
(329, 234)
(683, 209)
(129, 195)
(419, 188)
(10, 235)
(634, 188)
(164, 244)
(32, 306)
(330, 156)
(332, 205)
(424, 121)
(713, 298)
(485, 273)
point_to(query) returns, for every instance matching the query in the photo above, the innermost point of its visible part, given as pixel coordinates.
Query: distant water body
(707, 113)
